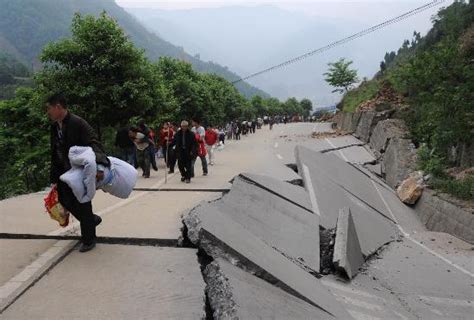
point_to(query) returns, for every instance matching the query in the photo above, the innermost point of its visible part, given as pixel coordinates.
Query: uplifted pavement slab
(285, 190)
(117, 282)
(347, 253)
(17, 254)
(354, 154)
(291, 230)
(374, 229)
(429, 287)
(342, 174)
(236, 294)
(221, 237)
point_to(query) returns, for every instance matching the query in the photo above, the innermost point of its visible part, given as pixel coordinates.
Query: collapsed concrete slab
(348, 256)
(343, 175)
(355, 154)
(291, 230)
(236, 294)
(285, 190)
(330, 190)
(221, 237)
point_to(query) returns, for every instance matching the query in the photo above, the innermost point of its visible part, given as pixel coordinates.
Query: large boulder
(410, 189)
(399, 161)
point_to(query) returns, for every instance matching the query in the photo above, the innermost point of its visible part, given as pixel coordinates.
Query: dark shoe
(146, 176)
(97, 220)
(87, 247)
(188, 180)
(154, 167)
(204, 174)
(182, 179)
(171, 171)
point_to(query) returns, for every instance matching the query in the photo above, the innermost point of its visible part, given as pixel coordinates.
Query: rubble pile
(270, 241)
(386, 98)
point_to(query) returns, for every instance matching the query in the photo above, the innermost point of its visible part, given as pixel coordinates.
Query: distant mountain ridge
(248, 39)
(26, 26)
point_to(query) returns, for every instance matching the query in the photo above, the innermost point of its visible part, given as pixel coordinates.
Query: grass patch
(366, 91)
(462, 189)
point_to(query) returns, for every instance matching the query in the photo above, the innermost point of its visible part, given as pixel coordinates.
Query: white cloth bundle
(119, 180)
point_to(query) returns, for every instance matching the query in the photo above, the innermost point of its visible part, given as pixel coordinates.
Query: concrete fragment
(365, 125)
(343, 175)
(355, 154)
(347, 253)
(368, 120)
(410, 189)
(290, 229)
(336, 184)
(384, 131)
(221, 237)
(399, 160)
(285, 190)
(236, 294)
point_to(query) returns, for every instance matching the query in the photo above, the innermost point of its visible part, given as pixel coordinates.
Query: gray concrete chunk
(236, 294)
(347, 253)
(284, 189)
(374, 229)
(220, 236)
(282, 225)
(384, 131)
(342, 174)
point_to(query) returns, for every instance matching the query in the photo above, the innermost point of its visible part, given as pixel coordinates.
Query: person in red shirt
(166, 139)
(211, 139)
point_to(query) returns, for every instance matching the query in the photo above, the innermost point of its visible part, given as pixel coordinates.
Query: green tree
(105, 78)
(292, 107)
(341, 76)
(306, 106)
(24, 144)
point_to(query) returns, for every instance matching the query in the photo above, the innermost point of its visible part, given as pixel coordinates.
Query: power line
(347, 39)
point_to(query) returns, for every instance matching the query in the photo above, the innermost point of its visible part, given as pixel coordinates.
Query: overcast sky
(361, 10)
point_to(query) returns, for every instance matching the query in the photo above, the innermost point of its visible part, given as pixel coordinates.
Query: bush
(366, 91)
(462, 189)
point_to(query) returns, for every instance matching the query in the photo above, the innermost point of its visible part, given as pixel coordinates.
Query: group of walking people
(138, 145)
(181, 145)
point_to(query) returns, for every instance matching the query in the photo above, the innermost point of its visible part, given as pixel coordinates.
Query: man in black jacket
(69, 130)
(186, 151)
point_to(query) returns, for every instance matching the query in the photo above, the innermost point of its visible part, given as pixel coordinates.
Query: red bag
(201, 152)
(55, 209)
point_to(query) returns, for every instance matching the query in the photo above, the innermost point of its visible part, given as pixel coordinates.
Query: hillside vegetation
(109, 82)
(26, 26)
(435, 76)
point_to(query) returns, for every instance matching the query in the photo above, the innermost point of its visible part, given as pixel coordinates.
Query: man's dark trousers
(81, 211)
(185, 163)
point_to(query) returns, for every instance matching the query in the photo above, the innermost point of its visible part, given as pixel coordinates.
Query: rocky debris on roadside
(460, 173)
(386, 98)
(326, 244)
(411, 189)
(335, 133)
